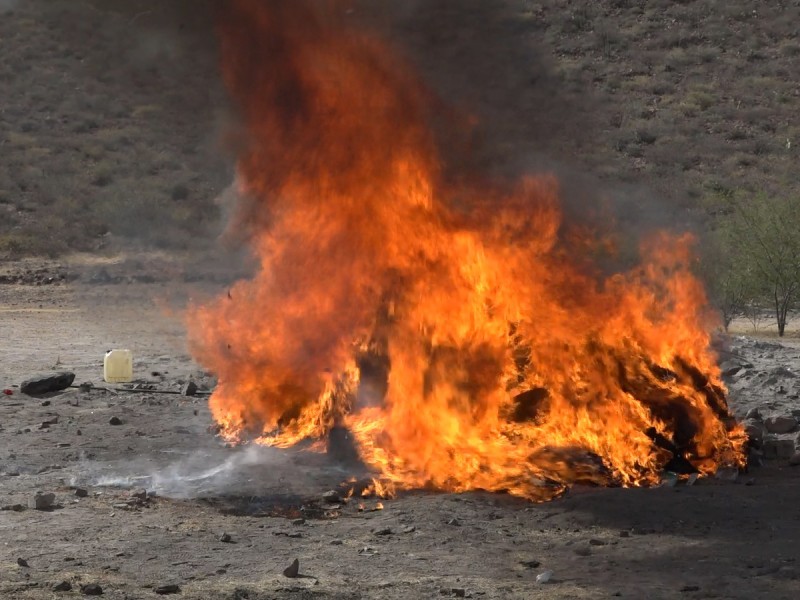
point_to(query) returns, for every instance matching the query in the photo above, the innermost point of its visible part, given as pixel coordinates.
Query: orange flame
(455, 331)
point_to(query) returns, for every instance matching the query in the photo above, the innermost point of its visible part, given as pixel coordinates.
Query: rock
(458, 592)
(13, 507)
(454, 522)
(293, 570)
(782, 371)
(754, 431)
(583, 551)
(783, 424)
(43, 501)
(226, 538)
(331, 497)
(81, 493)
(774, 448)
(530, 564)
(189, 388)
(298, 522)
(91, 589)
(64, 586)
(47, 382)
(115, 421)
(22, 562)
(544, 577)
(795, 460)
(140, 495)
(384, 531)
(753, 414)
(164, 590)
(596, 542)
(409, 529)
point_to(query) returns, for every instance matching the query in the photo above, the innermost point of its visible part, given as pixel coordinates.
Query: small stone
(596, 542)
(336, 542)
(753, 414)
(64, 586)
(384, 531)
(458, 592)
(91, 589)
(140, 494)
(331, 497)
(164, 590)
(299, 522)
(795, 460)
(530, 564)
(81, 492)
(544, 577)
(115, 421)
(43, 501)
(46, 403)
(293, 570)
(583, 551)
(409, 529)
(189, 388)
(779, 425)
(226, 538)
(454, 522)
(22, 562)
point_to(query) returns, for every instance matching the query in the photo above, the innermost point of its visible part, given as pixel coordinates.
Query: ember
(457, 333)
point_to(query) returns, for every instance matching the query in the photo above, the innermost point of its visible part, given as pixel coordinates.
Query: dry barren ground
(716, 539)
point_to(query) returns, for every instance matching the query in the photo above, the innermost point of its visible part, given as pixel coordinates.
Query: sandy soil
(716, 539)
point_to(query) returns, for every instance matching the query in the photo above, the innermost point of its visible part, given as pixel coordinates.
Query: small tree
(762, 237)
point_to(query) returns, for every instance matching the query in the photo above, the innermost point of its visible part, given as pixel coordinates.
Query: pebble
(91, 589)
(454, 522)
(81, 492)
(383, 531)
(115, 421)
(22, 562)
(226, 538)
(530, 564)
(298, 522)
(64, 586)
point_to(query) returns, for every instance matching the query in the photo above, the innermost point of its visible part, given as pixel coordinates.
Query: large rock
(47, 382)
(775, 448)
(784, 424)
(754, 431)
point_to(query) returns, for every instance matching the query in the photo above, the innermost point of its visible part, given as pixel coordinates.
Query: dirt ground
(716, 539)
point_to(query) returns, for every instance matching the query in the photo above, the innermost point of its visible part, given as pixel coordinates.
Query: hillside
(113, 117)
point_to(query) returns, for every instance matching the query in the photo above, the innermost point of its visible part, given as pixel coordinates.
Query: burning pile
(459, 333)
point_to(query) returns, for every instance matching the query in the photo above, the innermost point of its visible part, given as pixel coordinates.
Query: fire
(457, 331)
